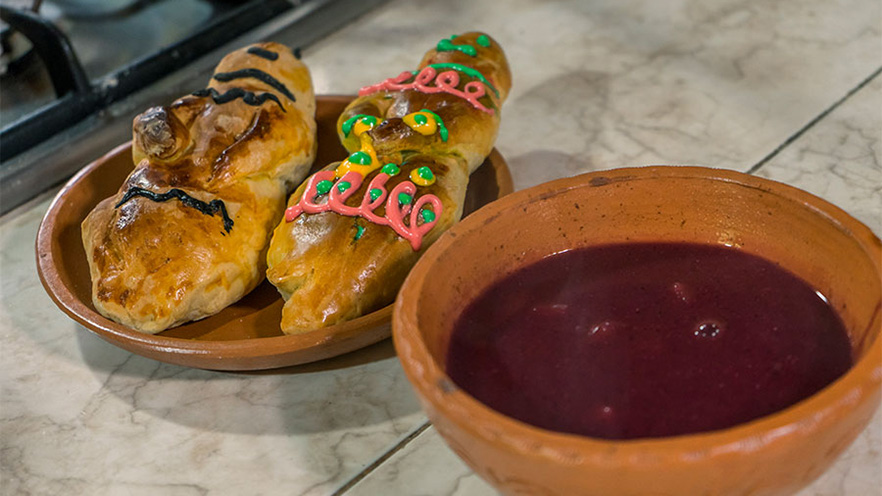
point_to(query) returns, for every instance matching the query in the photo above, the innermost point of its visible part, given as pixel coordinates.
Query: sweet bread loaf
(353, 230)
(186, 234)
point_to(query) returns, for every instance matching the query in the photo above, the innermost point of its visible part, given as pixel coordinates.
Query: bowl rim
(806, 416)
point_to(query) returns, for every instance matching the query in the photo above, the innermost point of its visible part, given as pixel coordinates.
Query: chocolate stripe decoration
(256, 74)
(210, 208)
(264, 54)
(234, 93)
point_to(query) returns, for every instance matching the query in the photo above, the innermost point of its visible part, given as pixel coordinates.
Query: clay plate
(245, 335)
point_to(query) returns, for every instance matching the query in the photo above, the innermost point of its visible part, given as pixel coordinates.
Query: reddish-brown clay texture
(245, 335)
(773, 455)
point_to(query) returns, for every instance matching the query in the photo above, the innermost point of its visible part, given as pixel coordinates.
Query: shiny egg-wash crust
(331, 267)
(187, 233)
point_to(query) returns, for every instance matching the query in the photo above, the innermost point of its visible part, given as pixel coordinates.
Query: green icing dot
(323, 187)
(404, 198)
(359, 232)
(369, 120)
(425, 173)
(375, 193)
(391, 169)
(483, 40)
(442, 129)
(420, 119)
(343, 186)
(360, 158)
(446, 45)
(427, 215)
(347, 125)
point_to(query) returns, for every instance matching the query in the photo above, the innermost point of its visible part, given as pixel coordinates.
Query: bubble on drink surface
(708, 329)
(601, 328)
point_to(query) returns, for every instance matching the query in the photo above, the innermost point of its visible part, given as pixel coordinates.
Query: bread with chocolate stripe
(187, 233)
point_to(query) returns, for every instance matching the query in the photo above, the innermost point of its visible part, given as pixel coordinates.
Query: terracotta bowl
(776, 454)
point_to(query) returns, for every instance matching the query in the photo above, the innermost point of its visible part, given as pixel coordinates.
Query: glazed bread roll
(187, 233)
(353, 231)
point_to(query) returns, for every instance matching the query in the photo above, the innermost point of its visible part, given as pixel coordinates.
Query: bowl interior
(834, 253)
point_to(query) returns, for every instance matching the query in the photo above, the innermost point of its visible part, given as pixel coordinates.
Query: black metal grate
(79, 98)
(51, 161)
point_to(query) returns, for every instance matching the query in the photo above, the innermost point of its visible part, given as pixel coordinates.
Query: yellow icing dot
(368, 166)
(363, 125)
(422, 176)
(421, 122)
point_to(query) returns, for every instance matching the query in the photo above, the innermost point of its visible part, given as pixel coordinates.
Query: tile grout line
(381, 459)
(814, 121)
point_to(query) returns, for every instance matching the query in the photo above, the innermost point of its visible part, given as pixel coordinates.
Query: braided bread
(353, 230)
(187, 233)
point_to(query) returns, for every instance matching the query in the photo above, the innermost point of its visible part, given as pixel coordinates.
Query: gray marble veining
(597, 85)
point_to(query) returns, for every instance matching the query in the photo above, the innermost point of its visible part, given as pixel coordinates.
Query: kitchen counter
(788, 90)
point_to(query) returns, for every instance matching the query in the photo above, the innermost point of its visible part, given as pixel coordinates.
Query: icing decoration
(323, 187)
(445, 82)
(446, 45)
(360, 158)
(468, 71)
(363, 161)
(422, 176)
(483, 40)
(248, 97)
(362, 123)
(421, 122)
(391, 169)
(438, 122)
(256, 74)
(209, 208)
(263, 53)
(366, 123)
(395, 210)
(426, 123)
(359, 232)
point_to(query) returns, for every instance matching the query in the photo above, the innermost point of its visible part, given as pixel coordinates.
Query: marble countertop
(790, 90)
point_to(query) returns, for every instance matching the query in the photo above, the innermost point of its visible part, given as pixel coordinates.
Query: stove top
(107, 36)
(73, 73)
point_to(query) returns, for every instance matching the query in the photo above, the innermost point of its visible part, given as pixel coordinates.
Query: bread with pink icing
(353, 231)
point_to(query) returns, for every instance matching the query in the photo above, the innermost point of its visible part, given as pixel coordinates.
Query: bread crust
(331, 267)
(186, 234)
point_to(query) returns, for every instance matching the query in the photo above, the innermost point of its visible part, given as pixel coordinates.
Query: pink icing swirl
(395, 212)
(445, 82)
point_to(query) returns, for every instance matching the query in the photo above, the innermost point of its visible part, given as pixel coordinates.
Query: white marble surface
(80, 416)
(599, 84)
